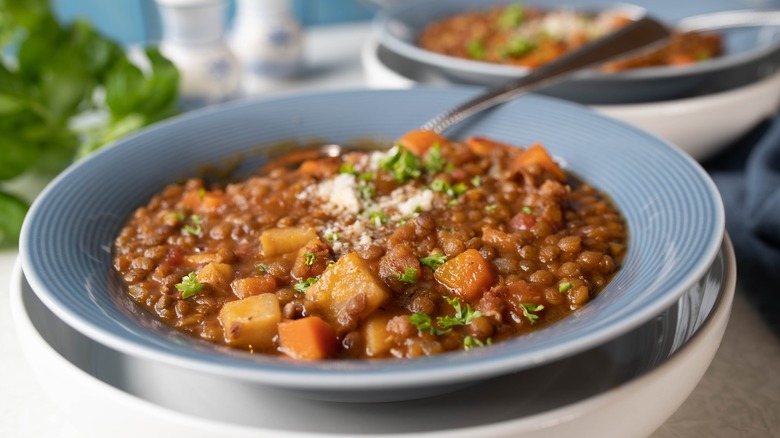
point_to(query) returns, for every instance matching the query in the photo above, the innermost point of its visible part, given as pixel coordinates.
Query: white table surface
(739, 395)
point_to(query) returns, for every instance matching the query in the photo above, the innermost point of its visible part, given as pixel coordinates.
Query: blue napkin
(748, 177)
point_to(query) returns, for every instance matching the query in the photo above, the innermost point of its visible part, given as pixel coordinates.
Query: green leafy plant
(57, 75)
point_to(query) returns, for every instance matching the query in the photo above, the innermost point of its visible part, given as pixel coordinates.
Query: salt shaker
(194, 40)
(266, 38)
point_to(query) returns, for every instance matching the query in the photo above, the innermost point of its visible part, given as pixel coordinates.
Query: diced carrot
(537, 155)
(203, 202)
(467, 275)
(483, 145)
(419, 141)
(308, 338)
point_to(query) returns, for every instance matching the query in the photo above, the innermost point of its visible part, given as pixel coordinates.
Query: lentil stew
(434, 245)
(530, 37)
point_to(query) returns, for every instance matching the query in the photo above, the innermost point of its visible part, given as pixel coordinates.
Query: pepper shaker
(266, 38)
(194, 40)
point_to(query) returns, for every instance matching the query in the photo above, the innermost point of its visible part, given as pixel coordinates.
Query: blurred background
(138, 21)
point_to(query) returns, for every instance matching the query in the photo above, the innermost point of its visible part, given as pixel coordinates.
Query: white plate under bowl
(700, 125)
(651, 370)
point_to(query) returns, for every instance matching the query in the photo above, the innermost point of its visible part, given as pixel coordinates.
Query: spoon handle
(635, 35)
(729, 19)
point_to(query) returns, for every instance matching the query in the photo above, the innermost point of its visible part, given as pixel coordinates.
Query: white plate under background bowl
(700, 125)
(600, 392)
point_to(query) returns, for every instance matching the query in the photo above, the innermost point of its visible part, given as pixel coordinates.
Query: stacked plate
(641, 345)
(692, 107)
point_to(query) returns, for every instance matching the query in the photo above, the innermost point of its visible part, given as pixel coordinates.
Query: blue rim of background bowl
(412, 51)
(366, 375)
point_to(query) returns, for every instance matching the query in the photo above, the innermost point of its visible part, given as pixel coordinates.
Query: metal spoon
(638, 34)
(641, 33)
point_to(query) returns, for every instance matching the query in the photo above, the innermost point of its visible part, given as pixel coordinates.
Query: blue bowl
(673, 210)
(751, 53)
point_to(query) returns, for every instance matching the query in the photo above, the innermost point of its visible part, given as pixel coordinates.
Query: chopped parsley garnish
(189, 285)
(512, 16)
(433, 261)
(262, 267)
(453, 203)
(308, 259)
(201, 193)
(175, 216)
(367, 176)
(462, 316)
(516, 47)
(367, 192)
(195, 228)
(529, 311)
(476, 48)
(565, 286)
(348, 168)
(378, 218)
(409, 275)
(332, 236)
(476, 181)
(527, 210)
(303, 285)
(434, 162)
(403, 164)
(470, 342)
(442, 186)
(423, 323)
(491, 208)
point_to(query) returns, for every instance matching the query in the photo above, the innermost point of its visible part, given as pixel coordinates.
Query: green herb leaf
(378, 218)
(442, 186)
(470, 342)
(348, 168)
(309, 259)
(12, 212)
(565, 286)
(366, 191)
(403, 164)
(434, 162)
(262, 267)
(491, 208)
(529, 311)
(476, 49)
(512, 16)
(517, 47)
(527, 210)
(195, 229)
(332, 236)
(424, 323)
(189, 285)
(476, 181)
(462, 316)
(409, 276)
(303, 285)
(433, 261)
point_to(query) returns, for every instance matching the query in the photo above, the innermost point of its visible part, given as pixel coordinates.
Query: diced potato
(308, 338)
(246, 287)
(218, 275)
(277, 241)
(201, 258)
(467, 275)
(251, 322)
(378, 339)
(345, 279)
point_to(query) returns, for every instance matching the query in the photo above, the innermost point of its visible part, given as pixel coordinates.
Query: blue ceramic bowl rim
(356, 375)
(383, 21)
